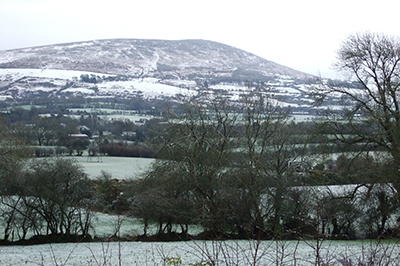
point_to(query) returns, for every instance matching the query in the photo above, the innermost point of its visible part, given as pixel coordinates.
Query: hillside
(146, 69)
(185, 59)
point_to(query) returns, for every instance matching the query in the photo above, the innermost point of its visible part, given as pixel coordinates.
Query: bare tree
(372, 116)
(272, 157)
(53, 197)
(13, 154)
(186, 183)
(225, 165)
(60, 188)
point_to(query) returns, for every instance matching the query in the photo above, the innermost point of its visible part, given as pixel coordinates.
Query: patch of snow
(228, 87)
(5, 97)
(180, 82)
(75, 45)
(79, 90)
(147, 86)
(289, 90)
(304, 88)
(47, 73)
(9, 56)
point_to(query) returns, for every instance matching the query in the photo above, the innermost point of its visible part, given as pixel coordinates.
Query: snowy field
(230, 252)
(147, 86)
(45, 73)
(118, 167)
(223, 253)
(113, 114)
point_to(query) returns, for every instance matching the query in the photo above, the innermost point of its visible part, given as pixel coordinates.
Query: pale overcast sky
(301, 34)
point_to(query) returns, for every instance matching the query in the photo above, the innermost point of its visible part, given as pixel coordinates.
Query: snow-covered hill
(146, 68)
(149, 58)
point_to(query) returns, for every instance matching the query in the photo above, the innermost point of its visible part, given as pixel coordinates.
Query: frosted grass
(118, 167)
(105, 225)
(230, 252)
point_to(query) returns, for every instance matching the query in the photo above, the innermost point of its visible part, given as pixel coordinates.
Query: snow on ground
(118, 167)
(5, 97)
(79, 90)
(181, 82)
(47, 73)
(228, 87)
(289, 90)
(74, 45)
(241, 252)
(304, 88)
(147, 86)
